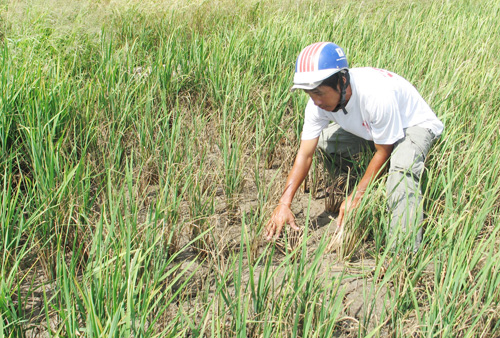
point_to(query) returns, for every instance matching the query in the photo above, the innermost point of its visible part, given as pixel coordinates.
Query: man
(371, 108)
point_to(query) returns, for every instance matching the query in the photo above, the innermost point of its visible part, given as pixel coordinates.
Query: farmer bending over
(371, 109)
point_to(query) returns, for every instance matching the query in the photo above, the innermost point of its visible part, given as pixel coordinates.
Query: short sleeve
(314, 122)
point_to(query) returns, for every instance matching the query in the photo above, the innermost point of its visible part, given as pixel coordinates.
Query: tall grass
(143, 144)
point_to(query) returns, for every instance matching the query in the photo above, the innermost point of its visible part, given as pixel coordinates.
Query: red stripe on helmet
(304, 64)
(312, 58)
(307, 62)
(303, 57)
(307, 57)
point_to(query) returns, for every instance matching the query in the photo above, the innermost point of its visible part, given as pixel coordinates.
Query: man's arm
(282, 214)
(373, 171)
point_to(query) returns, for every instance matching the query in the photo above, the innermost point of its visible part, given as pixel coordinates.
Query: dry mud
(364, 296)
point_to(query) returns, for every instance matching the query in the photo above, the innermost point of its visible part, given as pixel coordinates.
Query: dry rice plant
(345, 239)
(314, 179)
(336, 192)
(336, 241)
(351, 236)
(290, 240)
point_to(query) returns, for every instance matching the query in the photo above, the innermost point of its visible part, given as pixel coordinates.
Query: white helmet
(317, 62)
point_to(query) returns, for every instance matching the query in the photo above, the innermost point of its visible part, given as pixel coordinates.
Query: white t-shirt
(382, 104)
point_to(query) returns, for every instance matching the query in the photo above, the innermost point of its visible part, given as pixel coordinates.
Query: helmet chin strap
(343, 87)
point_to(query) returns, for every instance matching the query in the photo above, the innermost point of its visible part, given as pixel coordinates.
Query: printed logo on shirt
(367, 127)
(386, 73)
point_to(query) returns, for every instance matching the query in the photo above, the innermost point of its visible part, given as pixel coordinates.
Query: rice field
(144, 144)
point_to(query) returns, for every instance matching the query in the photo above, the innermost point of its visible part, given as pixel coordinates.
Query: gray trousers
(404, 197)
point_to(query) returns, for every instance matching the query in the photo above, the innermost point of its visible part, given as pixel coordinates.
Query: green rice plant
(201, 207)
(126, 288)
(231, 154)
(14, 243)
(273, 109)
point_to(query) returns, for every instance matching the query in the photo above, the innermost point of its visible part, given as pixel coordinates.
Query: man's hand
(281, 215)
(374, 170)
(347, 207)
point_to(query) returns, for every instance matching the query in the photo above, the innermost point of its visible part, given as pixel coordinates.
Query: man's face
(324, 97)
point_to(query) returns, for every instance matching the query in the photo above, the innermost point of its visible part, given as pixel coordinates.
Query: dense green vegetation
(132, 132)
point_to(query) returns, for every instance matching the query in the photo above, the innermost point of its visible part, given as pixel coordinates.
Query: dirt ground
(363, 303)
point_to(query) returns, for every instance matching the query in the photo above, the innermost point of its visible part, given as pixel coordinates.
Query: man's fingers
(340, 218)
(294, 226)
(269, 230)
(278, 231)
(270, 234)
(277, 222)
